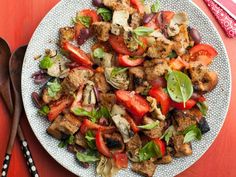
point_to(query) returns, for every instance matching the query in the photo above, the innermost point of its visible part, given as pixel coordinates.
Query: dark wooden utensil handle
(30, 162)
(6, 165)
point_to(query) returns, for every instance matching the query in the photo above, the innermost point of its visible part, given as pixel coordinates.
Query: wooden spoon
(15, 66)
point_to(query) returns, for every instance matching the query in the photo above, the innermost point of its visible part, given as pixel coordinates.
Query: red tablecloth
(18, 20)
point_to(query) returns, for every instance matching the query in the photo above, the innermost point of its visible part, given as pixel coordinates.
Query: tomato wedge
(162, 97)
(180, 106)
(57, 108)
(134, 103)
(133, 125)
(90, 13)
(76, 54)
(118, 44)
(161, 145)
(88, 125)
(203, 53)
(138, 4)
(121, 160)
(126, 61)
(100, 144)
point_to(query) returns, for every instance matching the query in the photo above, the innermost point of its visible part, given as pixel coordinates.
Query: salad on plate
(137, 96)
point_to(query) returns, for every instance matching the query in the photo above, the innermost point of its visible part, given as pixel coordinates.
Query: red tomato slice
(90, 13)
(121, 160)
(57, 108)
(161, 97)
(133, 125)
(203, 53)
(76, 54)
(138, 4)
(126, 61)
(161, 145)
(118, 44)
(180, 106)
(134, 103)
(100, 144)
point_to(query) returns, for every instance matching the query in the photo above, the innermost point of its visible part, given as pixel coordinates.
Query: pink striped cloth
(227, 22)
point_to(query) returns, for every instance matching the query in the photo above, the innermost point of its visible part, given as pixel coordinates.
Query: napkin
(227, 22)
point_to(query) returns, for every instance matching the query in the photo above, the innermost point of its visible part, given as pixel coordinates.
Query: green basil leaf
(104, 112)
(44, 110)
(117, 71)
(168, 134)
(94, 115)
(135, 37)
(53, 88)
(143, 31)
(149, 126)
(83, 112)
(148, 151)
(203, 107)
(155, 7)
(69, 140)
(46, 62)
(83, 157)
(191, 133)
(85, 20)
(89, 136)
(62, 144)
(98, 53)
(179, 86)
(74, 20)
(105, 13)
(173, 54)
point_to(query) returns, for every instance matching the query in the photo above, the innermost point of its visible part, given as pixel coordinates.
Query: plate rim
(228, 98)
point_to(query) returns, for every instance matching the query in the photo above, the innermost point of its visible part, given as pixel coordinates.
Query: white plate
(46, 36)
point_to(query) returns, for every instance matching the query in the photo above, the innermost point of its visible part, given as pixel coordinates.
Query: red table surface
(18, 20)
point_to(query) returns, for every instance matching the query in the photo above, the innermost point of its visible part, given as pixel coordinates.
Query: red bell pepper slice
(134, 103)
(121, 160)
(57, 108)
(138, 4)
(180, 106)
(89, 125)
(100, 144)
(126, 61)
(162, 97)
(76, 54)
(133, 125)
(161, 145)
